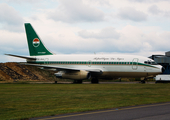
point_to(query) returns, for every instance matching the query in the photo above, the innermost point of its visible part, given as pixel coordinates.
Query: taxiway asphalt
(160, 111)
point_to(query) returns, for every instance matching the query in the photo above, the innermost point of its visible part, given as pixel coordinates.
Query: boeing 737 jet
(81, 67)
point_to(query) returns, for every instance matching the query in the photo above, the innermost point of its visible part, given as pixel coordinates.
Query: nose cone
(160, 68)
(163, 69)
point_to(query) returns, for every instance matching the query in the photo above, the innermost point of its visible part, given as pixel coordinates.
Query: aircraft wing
(57, 68)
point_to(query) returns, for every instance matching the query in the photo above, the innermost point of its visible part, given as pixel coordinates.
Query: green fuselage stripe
(90, 63)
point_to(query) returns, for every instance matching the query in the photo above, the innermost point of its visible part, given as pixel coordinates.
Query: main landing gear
(77, 81)
(143, 81)
(94, 80)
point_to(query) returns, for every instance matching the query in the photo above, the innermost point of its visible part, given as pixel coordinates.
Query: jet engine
(75, 75)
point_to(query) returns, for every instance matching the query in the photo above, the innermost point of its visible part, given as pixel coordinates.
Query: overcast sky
(140, 27)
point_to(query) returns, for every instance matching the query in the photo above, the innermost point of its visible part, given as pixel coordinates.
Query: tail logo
(36, 42)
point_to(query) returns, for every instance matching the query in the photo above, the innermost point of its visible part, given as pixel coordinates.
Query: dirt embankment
(17, 72)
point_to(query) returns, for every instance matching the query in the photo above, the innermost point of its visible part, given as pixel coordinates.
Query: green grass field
(21, 101)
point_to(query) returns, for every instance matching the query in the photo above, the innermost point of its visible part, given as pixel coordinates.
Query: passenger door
(89, 63)
(135, 63)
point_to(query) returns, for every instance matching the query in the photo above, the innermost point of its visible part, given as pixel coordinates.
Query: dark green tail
(35, 45)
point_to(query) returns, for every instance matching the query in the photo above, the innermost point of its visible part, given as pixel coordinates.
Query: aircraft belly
(127, 71)
(126, 74)
(116, 71)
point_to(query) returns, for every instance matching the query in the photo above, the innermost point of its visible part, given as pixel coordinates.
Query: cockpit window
(154, 63)
(150, 62)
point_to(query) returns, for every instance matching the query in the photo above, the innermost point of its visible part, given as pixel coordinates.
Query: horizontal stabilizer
(28, 58)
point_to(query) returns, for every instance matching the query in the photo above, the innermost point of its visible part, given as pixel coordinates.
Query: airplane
(80, 67)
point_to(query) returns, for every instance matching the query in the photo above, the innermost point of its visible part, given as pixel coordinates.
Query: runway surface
(60, 82)
(159, 111)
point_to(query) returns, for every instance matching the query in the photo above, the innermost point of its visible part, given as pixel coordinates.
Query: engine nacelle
(50, 69)
(75, 75)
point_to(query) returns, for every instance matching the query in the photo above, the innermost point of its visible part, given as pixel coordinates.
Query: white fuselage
(112, 66)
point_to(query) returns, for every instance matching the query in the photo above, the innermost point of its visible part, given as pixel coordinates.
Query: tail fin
(35, 45)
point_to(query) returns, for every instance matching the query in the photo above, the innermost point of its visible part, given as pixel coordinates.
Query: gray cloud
(162, 43)
(10, 18)
(132, 14)
(21, 1)
(75, 11)
(154, 10)
(147, 1)
(167, 14)
(105, 33)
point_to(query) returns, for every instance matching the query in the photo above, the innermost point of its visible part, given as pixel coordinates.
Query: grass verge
(21, 101)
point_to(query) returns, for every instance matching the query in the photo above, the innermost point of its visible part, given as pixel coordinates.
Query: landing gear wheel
(143, 81)
(77, 81)
(94, 80)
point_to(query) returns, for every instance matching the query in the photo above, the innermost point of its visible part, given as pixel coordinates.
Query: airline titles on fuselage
(97, 58)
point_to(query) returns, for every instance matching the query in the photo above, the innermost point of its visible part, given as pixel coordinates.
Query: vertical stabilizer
(35, 45)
